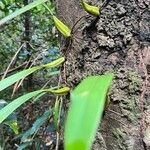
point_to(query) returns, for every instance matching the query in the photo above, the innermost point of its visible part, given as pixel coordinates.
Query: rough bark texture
(118, 42)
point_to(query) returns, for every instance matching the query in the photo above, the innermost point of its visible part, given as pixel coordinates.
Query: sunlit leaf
(13, 125)
(85, 112)
(61, 91)
(62, 27)
(93, 10)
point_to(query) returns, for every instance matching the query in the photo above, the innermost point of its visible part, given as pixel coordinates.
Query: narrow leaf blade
(22, 74)
(54, 63)
(36, 126)
(12, 106)
(16, 77)
(8, 109)
(21, 10)
(56, 112)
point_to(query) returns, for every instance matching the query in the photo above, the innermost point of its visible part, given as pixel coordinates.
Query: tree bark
(27, 38)
(118, 42)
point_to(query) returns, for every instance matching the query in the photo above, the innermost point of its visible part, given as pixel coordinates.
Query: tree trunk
(118, 42)
(27, 38)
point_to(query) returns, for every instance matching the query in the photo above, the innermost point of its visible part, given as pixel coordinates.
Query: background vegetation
(28, 40)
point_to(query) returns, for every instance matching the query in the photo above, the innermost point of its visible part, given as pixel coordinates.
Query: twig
(72, 30)
(60, 107)
(18, 84)
(105, 3)
(12, 60)
(57, 141)
(58, 122)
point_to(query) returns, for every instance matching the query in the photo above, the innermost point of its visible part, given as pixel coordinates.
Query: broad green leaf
(86, 109)
(21, 10)
(93, 10)
(22, 74)
(62, 27)
(12, 106)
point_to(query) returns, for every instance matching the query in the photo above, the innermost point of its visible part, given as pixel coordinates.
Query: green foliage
(21, 10)
(7, 2)
(7, 6)
(86, 109)
(7, 110)
(13, 125)
(62, 27)
(93, 10)
(20, 75)
(56, 113)
(11, 121)
(27, 136)
(2, 5)
(12, 106)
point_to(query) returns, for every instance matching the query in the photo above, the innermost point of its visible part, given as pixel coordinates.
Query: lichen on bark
(117, 42)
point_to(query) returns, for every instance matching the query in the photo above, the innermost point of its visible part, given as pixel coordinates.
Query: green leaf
(93, 10)
(56, 113)
(13, 125)
(24, 145)
(22, 10)
(54, 63)
(2, 6)
(12, 106)
(62, 27)
(8, 109)
(61, 91)
(11, 121)
(16, 77)
(36, 126)
(20, 75)
(86, 109)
